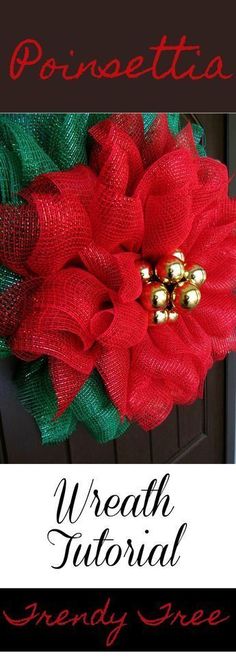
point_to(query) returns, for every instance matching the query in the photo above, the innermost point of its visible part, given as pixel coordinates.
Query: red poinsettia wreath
(127, 266)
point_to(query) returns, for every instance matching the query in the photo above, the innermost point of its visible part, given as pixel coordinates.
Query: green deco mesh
(4, 349)
(91, 406)
(32, 144)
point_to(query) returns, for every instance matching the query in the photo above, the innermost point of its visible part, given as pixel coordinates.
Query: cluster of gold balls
(170, 286)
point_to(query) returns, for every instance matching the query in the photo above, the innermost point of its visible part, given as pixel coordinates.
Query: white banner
(131, 526)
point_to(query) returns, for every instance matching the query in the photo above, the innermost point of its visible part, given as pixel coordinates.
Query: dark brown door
(192, 434)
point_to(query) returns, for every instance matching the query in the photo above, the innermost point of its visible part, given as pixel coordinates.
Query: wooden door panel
(191, 434)
(21, 436)
(165, 439)
(191, 423)
(85, 449)
(134, 447)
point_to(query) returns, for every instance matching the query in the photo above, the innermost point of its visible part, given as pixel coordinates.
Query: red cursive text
(164, 60)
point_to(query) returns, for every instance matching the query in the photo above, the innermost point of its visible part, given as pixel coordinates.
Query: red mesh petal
(80, 181)
(115, 157)
(122, 325)
(185, 138)
(13, 304)
(149, 402)
(114, 368)
(178, 358)
(19, 233)
(66, 382)
(117, 271)
(28, 345)
(64, 226)
(117, 220)
(158, 140)
(166, 194)
(217, 315)
(131, 123)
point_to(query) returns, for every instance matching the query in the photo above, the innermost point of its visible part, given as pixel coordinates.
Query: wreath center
(170, 286)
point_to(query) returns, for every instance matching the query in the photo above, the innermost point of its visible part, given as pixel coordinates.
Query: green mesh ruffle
(33, 144)
(91, 406)
(4, 349)
(7, 278)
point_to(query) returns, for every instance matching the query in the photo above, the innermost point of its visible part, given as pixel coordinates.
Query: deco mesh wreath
(117, 267)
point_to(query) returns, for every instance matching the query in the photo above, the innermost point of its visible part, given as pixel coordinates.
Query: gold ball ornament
(196, 275)
(172, 315)
(179, 255)
(158, 317)
(187, 296)
(169, 269)
(154, 295)
(145, 269)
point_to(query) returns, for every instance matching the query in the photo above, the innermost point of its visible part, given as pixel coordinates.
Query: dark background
(135, 637)
(105, 30)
